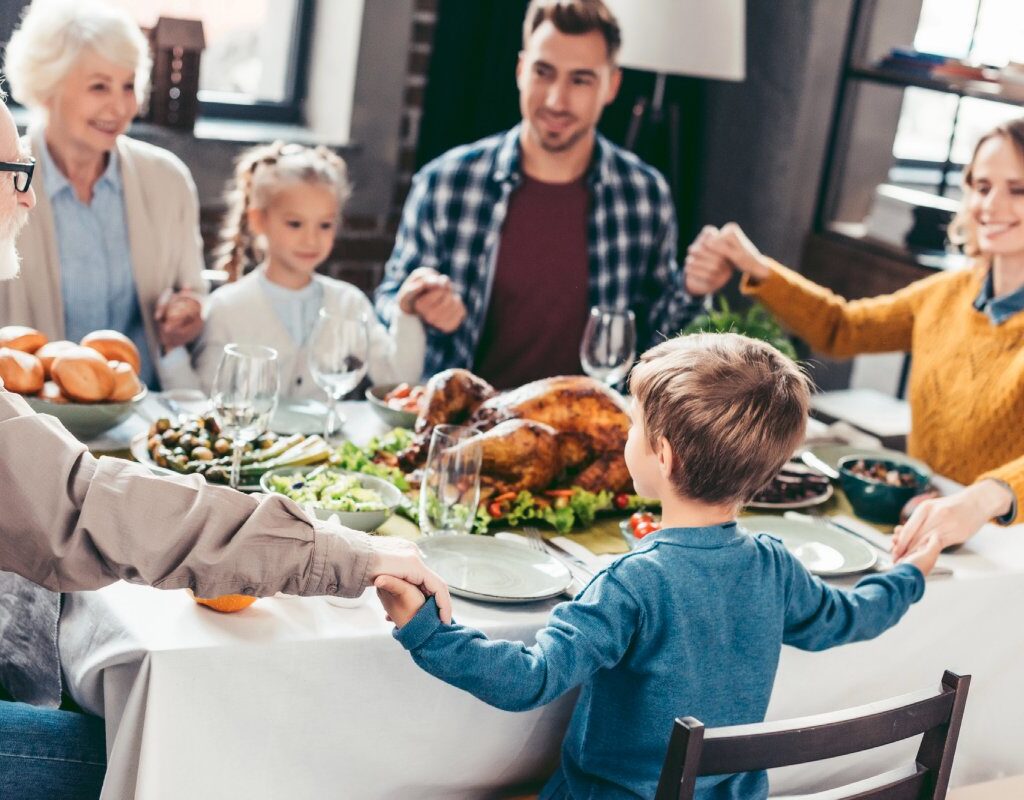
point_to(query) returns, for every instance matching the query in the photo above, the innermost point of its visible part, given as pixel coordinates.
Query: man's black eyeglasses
(22, 172)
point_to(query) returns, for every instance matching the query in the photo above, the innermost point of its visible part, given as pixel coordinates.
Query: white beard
(10, 263)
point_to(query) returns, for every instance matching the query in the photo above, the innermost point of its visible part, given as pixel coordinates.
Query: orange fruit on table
(225, 603)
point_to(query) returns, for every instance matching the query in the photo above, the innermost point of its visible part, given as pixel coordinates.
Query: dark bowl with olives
(879, 488)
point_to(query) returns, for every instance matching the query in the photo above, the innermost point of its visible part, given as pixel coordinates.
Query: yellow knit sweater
(966, 389)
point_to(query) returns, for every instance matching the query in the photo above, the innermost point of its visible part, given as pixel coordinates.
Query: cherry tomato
(497, 510)
(645, 528)
(640, 516)
(621, 501)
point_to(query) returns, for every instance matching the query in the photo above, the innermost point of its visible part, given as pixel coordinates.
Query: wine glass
(339, 353)
(244, 396)
(609, 344)
(450, 489)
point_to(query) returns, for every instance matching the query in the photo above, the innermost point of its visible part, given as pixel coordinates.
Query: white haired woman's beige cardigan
(162, 211)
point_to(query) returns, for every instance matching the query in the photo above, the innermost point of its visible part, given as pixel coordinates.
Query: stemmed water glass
(450, 490)
(609, 344)
(339, 354)
(244, 396)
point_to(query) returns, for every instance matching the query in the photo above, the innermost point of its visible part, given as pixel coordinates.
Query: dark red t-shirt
(539, 300)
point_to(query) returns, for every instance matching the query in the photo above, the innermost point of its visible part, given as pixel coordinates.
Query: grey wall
(765, 139)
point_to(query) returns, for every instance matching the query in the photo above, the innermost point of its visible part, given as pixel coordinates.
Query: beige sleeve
(71, 522)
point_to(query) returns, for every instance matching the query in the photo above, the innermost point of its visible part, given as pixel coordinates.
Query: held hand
(420, 281)
(179, 319)
(924, 554)
(401, 600)
(951, 520)
(733, 245)
(705, 272)
(441, 307)
(401, 559)
(431, 296)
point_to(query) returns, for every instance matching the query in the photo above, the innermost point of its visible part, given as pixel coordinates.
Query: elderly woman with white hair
(114, 242)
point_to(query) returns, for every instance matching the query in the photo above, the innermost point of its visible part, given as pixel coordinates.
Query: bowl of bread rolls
(90, 386)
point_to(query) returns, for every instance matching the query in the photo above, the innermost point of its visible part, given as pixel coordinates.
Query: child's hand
(924, 554)
(401, 600)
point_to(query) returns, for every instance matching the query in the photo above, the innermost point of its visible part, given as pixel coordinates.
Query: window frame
(289, 111)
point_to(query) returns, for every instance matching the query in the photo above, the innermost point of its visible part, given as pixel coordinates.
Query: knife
(816, 463)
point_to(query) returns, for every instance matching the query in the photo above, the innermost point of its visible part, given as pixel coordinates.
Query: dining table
(300, 698)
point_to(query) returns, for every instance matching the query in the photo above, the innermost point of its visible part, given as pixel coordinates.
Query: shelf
(854, 234)
(983, 90)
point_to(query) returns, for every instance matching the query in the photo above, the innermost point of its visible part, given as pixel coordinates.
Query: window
(937, 131)
(254, 64)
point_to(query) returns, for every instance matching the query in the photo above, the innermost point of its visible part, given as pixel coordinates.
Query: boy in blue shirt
(692, 621)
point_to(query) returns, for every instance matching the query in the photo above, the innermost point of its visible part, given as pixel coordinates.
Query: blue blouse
(97, 282)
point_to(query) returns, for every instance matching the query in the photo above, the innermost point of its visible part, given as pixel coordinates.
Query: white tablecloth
(296, 698)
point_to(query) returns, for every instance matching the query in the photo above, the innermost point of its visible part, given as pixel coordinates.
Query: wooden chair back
(694, 751)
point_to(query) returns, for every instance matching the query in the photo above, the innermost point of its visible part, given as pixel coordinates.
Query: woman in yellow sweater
(964, 329)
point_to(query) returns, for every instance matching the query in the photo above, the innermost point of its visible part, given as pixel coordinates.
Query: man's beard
(10, 263)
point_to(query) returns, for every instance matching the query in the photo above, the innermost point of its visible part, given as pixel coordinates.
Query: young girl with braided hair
(284, 207)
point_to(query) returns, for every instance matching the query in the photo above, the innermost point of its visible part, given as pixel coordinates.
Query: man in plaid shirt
(515, 237)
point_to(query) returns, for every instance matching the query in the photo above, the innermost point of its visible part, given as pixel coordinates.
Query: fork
(534, 540)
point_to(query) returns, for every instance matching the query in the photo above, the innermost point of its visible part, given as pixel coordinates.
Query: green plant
(755, 322)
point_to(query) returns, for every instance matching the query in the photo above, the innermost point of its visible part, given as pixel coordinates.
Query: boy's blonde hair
(260, 173)
(733, 410)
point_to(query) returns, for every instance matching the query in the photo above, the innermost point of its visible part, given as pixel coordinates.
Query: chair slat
(782, 748)
(694, 751)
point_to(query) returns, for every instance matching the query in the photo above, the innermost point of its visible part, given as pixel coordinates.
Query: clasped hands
(404, 582)
(431, 296)
(715, 254)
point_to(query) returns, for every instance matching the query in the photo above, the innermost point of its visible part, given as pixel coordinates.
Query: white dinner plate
(824, 550)
(483, 568)
(299, 416)
(817, 500)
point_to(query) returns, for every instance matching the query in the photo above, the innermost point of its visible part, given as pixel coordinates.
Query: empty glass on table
(609, 345)
(450, 489)
(244, 396)
(339, 353)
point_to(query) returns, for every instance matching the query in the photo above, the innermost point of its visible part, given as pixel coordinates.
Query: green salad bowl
(365, 521)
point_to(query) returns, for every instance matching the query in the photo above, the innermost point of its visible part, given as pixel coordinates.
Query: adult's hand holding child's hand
(401, 600)
(924, 554)
(954, 519)
(398, 558)
(432, 297)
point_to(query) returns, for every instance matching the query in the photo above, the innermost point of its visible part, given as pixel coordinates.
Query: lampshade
(705, 38)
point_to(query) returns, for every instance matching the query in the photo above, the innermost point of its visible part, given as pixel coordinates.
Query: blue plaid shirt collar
(998, 309)
(508, 159)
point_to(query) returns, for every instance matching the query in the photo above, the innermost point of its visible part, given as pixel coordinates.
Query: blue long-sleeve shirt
(691, 623)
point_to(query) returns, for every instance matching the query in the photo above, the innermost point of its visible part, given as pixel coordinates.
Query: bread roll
(126, 382)
(50, 351)
(83, 375)
(114, 346)
(21, 372)
(51, 393)
(18, 337)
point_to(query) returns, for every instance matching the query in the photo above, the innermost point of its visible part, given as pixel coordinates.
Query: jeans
(46, 754)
